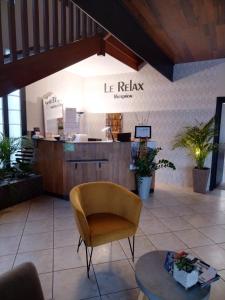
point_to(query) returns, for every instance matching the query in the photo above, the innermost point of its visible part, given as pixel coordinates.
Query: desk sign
(69, 147)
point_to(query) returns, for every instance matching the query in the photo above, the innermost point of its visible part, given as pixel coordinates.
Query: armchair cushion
(106, 227)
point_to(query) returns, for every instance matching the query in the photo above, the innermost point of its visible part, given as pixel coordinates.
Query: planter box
(184, 278)
(20, 190)
(200, 180)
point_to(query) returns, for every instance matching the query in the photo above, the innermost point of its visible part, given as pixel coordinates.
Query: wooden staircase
(41, 37)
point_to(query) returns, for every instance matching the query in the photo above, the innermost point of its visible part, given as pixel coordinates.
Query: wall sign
(53, 110)
(123, 89)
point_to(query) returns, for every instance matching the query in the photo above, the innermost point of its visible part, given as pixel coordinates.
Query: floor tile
(167, 241)
(108, 252)
(13, 216)
(115, 276)
(58, 203)
(12, 229)
(142, 246)
(162, 212)
(73, 284)
(213, 255)
(125, 295)
(193, 238)
(40, 214)
(46, 284)
(215, 233)
(66, 238)
(6, 263)
(176, 223)
(181, 210)
(64, 223)
(37, 241)
(222, 245)
(199, 220)
(153, 226)
(43, 260)
(63, 212)
(39, 226)
(222, 274)
(217, 290)
(67, 258)
(9, 245)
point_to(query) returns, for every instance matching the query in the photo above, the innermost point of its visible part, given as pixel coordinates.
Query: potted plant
(146, 166)
(17, 180)
(198, 141)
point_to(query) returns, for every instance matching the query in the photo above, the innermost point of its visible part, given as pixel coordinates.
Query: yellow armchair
(104, 212)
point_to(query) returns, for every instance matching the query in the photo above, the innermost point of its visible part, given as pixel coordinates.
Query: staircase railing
(29, 27)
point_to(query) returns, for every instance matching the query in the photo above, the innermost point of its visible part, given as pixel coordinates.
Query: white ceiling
(99, 65)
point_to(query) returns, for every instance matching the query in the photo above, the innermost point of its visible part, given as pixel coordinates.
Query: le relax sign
(123, 89)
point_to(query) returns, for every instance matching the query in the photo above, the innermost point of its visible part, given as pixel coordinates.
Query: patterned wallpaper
(168, 106)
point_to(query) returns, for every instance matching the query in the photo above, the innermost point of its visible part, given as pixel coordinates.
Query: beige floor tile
(64, 223)
(142, 246)
(11, 229)
(215, 233)
(64, 238)
(222, 274)
(73, 284)
(108, 252)
(9, 245)
(217, 290)
(167, 241)
(6, 263)
(43, 260)
(176, 223)
(46, 284)
(13, 216)
(213, 255)
(115, 276)
(153, 226)
(193, 238)
(37, 241)
(67, 258)
(39, 226)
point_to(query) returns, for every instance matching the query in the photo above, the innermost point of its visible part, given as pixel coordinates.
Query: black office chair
(21, 283)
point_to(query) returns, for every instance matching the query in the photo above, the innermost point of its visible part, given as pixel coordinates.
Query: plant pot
(144, 184)
(200, 180)
(186, 279)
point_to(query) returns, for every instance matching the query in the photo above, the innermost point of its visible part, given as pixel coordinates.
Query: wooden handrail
(1, 46)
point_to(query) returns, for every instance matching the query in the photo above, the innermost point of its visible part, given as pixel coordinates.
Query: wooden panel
(184, 30)
(24, 28)
(1, 46)
(12, 29)
(116, 49)
(71, 22)
(36, 30)
(50, 169)
(116, 19)
(77, 20)
(63, 22)
(17, 75)
(84, 25)
(116, 169)
(55, 23)
(46, 24)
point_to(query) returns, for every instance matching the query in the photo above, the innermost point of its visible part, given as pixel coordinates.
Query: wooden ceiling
(185, 30)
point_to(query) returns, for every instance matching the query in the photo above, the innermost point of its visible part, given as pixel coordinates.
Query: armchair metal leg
(79, 244)
(88, 260)
(132, 246)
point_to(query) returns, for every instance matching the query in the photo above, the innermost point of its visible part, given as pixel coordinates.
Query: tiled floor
(43, 231)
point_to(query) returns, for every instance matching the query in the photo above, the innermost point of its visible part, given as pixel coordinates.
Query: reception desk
(64, 165)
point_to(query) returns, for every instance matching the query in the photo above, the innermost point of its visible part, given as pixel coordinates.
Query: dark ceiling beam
(116, 19)
(26, 71)
(117, 50)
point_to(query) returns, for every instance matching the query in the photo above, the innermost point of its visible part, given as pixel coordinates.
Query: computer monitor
(143, 132)
(124, 137)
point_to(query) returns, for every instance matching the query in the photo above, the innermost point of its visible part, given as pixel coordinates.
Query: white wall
(64, 85)
(170, 106)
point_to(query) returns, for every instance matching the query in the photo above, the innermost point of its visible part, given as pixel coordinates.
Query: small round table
(156, 283)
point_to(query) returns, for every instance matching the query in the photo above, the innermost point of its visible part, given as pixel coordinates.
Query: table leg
(142, 296)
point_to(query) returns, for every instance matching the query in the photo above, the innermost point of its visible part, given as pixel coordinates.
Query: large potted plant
(146, 166)
(198, 141)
